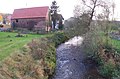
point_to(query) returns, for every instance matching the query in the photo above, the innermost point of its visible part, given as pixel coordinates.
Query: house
(30, 18)
(5, 18)
(1, 19)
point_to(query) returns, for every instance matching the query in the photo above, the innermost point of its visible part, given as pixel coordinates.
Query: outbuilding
(34, 18)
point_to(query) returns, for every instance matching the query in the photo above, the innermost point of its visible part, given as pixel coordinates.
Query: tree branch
(84, 2)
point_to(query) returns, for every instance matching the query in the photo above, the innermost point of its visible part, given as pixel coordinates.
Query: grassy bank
(9, 43)
(106, 52)
(36, 60)
(110, 59)
(115, 44)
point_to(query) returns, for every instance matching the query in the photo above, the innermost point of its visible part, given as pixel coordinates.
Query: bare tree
(92, 6)
(91, 10)
(88, 11)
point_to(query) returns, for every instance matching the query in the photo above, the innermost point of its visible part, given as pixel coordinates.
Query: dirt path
(70, 62)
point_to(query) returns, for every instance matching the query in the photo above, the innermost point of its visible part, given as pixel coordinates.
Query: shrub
(59, 38)
(97, 45)
(107, 70)
(36, 60)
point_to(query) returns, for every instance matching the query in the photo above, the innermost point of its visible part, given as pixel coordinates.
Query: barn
(34, 18)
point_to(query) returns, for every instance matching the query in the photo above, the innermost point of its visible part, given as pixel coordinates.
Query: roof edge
(32, 7)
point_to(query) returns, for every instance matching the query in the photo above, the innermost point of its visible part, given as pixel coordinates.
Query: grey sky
(66, 6)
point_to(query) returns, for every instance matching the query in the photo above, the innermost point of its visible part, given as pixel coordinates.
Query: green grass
(12, 44)
(113, 42)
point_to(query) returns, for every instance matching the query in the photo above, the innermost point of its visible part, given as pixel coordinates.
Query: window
(16, 20)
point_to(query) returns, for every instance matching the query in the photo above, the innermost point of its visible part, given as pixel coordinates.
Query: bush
(107, 70)
(36, 60)
(59, 38)
(97, 45)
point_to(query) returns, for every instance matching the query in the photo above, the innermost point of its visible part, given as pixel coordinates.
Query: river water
(72, 63)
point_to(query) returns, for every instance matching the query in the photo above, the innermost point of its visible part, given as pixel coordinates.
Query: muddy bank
(72, 62)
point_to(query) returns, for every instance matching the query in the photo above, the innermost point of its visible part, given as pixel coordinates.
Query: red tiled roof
(30, 12)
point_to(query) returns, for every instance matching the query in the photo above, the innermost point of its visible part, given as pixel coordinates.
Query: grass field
(113, 42)
(11, 44)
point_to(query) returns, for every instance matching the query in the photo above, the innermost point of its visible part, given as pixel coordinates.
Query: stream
(72, 63)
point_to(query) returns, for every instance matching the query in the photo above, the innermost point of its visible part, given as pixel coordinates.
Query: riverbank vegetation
(98, 43)
(35, 60)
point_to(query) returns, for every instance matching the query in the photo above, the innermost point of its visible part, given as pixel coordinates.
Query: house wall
(30, 24)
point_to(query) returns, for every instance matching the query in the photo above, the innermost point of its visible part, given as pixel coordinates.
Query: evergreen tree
(53, 11)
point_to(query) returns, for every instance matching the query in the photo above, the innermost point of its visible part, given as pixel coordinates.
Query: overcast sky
(66, 6)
